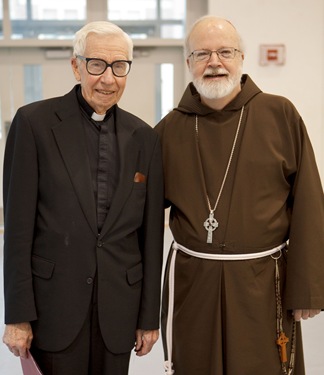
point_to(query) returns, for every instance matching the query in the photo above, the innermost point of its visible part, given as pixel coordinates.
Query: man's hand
(305, 314)
(18, 338)
(145, 341)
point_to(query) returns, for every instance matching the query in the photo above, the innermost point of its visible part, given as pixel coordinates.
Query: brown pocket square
(139, 177)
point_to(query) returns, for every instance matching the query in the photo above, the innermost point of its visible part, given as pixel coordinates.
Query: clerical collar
(95, 116)
(89, 110)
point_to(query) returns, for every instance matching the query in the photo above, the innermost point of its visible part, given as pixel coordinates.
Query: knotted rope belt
(281, 337)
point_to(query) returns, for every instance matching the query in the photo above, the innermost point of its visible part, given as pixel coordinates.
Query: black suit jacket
(52, 250)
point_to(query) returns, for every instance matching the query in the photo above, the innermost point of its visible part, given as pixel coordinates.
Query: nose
(107, 76)
(214, 59)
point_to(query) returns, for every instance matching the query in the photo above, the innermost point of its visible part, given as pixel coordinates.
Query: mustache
(215, 72)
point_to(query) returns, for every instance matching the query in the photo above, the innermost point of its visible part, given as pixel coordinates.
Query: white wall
(299, 24)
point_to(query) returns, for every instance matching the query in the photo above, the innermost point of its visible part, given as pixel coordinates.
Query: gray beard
(217, 90)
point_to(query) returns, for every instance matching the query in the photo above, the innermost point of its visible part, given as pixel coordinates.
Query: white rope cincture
(169, 326)
(168, 365)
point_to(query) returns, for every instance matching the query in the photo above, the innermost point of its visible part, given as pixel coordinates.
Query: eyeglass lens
(97, 67)
(223, 54)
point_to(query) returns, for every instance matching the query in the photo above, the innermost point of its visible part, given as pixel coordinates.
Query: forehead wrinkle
(103, 47)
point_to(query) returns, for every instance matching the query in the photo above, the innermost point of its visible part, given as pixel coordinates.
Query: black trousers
(87, 355)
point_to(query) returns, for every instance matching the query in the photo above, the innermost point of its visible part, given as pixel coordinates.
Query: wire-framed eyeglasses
(226, 53)
(96, 67)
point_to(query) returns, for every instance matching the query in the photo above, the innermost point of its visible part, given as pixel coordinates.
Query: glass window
(1, 18)
(165, 89)
(58, 10)
(18, 9)
(33, 85)
(173, 9)
(132, 10)
(172, 31)
(45, 19)
(149, 18)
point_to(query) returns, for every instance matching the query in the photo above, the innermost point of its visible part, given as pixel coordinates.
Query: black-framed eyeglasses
(225, 53)
(96, 67)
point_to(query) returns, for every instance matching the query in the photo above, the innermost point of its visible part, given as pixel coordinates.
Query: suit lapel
(70, 138)
(69, 135)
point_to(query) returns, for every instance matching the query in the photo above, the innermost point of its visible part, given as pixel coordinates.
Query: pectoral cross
(210, 225)
(282, 342)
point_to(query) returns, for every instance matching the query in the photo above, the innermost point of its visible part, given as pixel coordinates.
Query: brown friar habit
(225, 311)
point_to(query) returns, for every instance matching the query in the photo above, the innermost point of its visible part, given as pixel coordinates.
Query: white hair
(101, 28)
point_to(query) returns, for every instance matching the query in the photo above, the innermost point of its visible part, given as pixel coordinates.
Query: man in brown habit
(242, 182)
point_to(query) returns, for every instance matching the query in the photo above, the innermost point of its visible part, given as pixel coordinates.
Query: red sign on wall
(272, 54)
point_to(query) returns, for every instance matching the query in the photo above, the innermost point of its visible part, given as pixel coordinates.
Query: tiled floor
(313, 334)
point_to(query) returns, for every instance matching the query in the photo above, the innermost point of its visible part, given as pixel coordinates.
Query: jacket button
(89, 280)
(99, 244)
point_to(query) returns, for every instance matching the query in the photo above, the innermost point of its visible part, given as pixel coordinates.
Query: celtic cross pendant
(210, 225)
(282, 342)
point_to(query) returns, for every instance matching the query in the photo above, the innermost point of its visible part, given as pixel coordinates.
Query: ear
(75, 68)
(188, 63)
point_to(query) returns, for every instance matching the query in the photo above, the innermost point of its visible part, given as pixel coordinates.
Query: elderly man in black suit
(83, 204)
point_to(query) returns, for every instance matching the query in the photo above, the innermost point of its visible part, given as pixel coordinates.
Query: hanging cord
(168, 365)
(282, 339)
